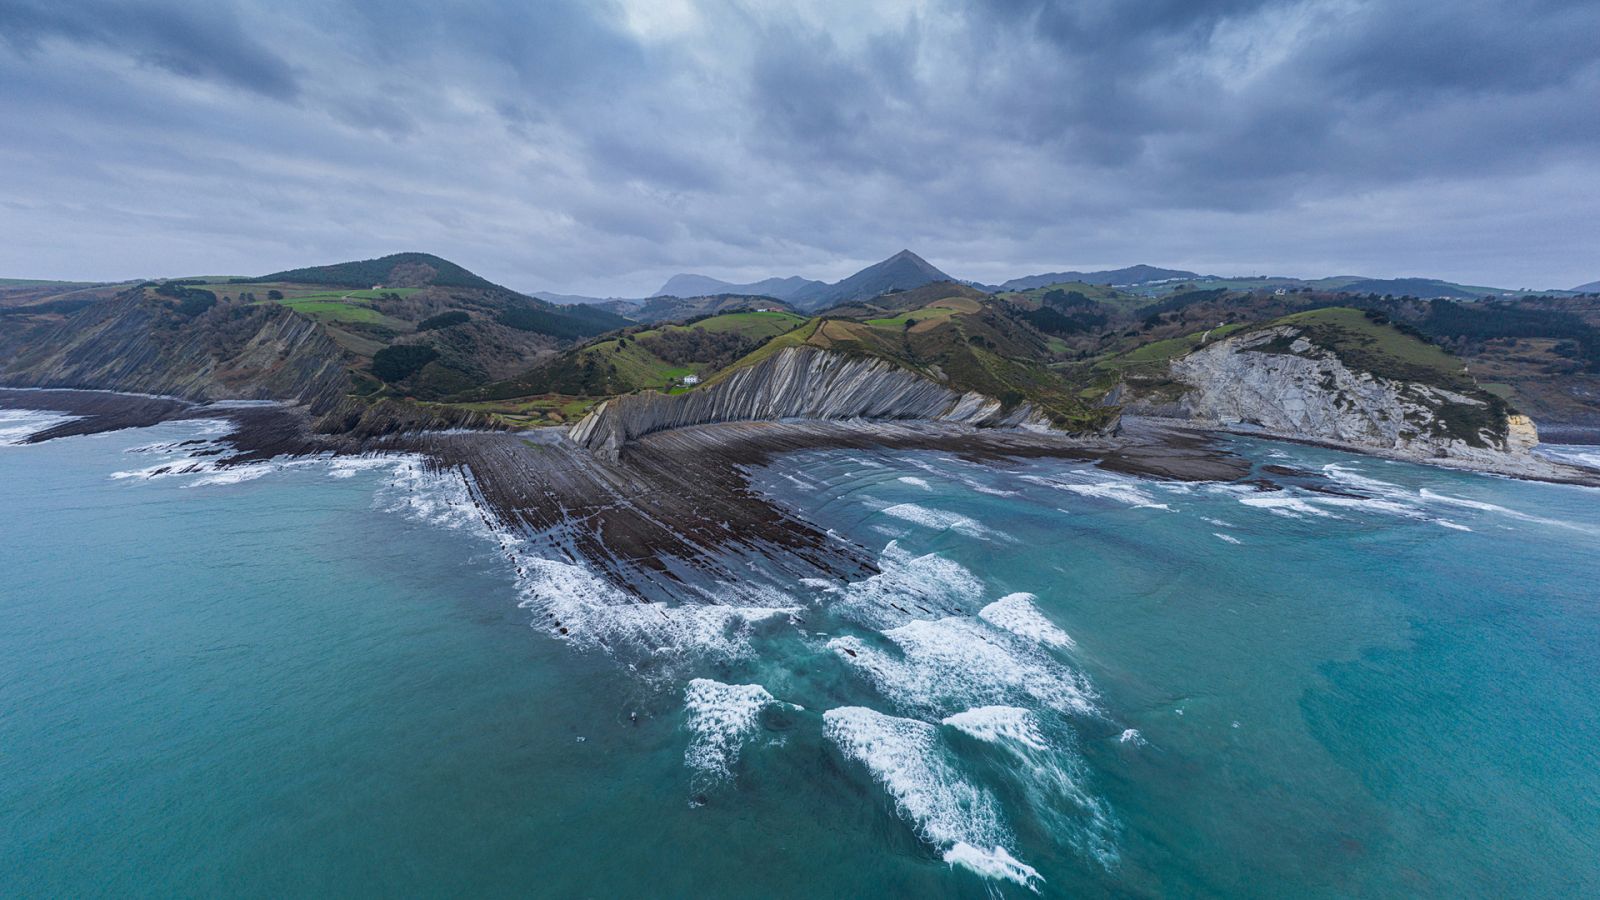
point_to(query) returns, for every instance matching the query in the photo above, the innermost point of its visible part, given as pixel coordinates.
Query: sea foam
(905, 757)
(17, 425)
(1052, 777)
(1017, 614)
(943, 520)
(720, 718)
(953, 663)
(906, 586)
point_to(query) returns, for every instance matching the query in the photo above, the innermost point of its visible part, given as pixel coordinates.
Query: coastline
(675, 503)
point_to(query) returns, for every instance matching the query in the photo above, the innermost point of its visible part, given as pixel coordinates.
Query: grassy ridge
(632, 361)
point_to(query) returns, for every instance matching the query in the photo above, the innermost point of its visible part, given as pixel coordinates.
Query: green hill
(394, 270)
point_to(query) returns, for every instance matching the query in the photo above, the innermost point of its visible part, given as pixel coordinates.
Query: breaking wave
(1017, 614)
(943, 521)
(951, 664)
(720, 718)
(17, 425)
(906, 758)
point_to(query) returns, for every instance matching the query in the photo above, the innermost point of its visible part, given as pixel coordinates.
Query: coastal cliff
(797, 383)
(143, 344)
(1306, 380)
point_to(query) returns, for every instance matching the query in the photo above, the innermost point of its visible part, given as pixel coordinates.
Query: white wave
(1117, 490)
(720, 718)
(906, 587)
(579, 606)
(995, 723)
(1051, 776)
(914, 481)
(1226, 538)
(1451, 525)
(943, 520)
(1131, 736)
(1287, 506)
(996, 862)
(1465, 503)
(17, 425)
(349, 466)
(952, 664)
(234, 475)
(1572, 454)
(1353, 478)
(904, 757)
(1017, 614)
(1217, 522)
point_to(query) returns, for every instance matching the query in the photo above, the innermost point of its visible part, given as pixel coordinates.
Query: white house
(691, 379)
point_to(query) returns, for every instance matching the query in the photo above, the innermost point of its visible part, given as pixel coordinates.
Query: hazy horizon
(598, 149)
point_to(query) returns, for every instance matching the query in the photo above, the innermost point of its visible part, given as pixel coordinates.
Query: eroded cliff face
(1276, 380)
(148, 345)
(796, 383)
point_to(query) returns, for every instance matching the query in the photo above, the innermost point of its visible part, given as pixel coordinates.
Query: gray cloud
(599, 147)
(201, 41)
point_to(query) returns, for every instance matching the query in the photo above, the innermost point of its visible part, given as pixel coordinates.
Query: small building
(691, 380)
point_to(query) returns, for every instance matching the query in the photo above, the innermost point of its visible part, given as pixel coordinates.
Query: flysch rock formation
(1308, 393)
(231, 351)
(797, 383)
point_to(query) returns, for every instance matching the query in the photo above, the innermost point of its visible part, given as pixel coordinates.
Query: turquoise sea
(328, 678)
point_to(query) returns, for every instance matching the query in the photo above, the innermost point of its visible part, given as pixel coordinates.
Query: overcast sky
(599, 147)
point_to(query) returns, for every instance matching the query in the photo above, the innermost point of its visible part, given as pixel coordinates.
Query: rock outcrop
(1276, 381)
(796, 383)
(149, 345)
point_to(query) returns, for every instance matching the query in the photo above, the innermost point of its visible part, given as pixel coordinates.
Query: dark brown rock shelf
(672, 503)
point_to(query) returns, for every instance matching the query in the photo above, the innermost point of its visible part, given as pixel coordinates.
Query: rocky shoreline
(670, 502)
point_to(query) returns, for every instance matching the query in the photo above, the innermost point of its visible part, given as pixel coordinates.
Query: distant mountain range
(1140, 274)
(906, 270)
(1587, 288)
(902, 271)
(703, 286)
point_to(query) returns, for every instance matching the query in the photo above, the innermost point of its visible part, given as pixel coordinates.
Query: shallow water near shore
(320, 678)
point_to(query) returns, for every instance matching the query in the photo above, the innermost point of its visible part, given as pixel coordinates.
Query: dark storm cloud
(198, 41)
(599, 147)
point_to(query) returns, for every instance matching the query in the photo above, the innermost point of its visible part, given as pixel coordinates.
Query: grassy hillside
(658, 358)
(956, 336)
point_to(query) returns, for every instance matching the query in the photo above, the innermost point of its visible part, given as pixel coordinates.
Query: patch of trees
(444, 320)
(1487, 321)
(191, 301)
(367, 272)
(571, 324)
(683, 346)
(1179, 301)
(1066, 300)
(401, 361)
(274, 295)
(1051, 321)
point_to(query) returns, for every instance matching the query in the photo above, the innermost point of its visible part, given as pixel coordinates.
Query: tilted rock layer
(230, 351)
(796, 383)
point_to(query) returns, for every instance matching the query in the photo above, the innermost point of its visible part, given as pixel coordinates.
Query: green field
(350, 307)
(916, 316)
(1156, 355)
(339, 311)
(750, 324)
(1348, 331)
(524, 412)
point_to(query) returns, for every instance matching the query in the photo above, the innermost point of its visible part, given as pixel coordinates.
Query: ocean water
(330, 678)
